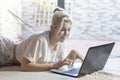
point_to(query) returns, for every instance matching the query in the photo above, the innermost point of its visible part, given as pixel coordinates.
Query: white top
(37, 49)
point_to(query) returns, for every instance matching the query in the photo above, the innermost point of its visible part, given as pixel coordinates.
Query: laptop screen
(96, 58)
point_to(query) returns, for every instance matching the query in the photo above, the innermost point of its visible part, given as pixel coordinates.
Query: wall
(9, 26)
(93, 19)
(96, 19)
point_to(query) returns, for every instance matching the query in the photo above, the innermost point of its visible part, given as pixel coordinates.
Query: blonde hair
(59, 17)
(58, 9)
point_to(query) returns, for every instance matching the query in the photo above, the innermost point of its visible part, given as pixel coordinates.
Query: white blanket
(14, 73)
(101, 75)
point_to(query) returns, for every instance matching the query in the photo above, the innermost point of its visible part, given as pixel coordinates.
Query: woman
(45, 51)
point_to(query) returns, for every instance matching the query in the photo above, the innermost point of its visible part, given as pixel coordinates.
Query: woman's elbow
(24, 64)
(23, 67)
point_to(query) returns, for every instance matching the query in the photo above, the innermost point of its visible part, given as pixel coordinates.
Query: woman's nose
(66, 32)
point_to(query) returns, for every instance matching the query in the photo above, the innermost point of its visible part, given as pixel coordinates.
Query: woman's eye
(65, 29)
(68, 29)
(62, 29)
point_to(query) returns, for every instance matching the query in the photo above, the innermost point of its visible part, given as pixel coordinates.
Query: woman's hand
(61, 63)
(69, 60)
(73, 55)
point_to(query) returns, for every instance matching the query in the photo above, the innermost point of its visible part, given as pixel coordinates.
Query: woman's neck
(53, 41)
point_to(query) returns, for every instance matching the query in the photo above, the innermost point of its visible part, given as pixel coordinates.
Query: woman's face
(63, 33)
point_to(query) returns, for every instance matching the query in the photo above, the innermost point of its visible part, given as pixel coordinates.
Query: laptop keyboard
(73, 71)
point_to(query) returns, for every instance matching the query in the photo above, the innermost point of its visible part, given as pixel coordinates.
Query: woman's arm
(73, 55)
(26, 65)
(79, 55)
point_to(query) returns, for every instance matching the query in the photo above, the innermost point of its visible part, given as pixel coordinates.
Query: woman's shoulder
(39, 36)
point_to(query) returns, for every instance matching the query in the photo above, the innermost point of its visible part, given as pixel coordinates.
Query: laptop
(95, 60)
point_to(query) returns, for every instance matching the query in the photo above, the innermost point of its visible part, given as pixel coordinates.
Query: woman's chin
(62, 40)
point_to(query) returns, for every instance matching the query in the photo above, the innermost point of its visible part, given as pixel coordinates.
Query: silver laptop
(95, 60)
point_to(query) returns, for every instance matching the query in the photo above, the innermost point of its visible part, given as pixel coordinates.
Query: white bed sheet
(111, 71)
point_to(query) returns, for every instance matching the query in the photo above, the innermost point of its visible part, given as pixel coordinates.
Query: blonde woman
(45, 51)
